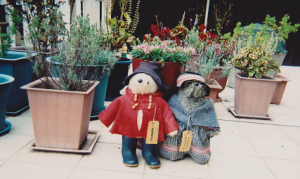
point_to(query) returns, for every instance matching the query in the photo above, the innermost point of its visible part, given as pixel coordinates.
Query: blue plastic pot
(116, 78)
(17, 66)
(100, 91)
(5, 84)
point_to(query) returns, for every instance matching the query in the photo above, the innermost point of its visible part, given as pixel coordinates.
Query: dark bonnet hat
(150, 68)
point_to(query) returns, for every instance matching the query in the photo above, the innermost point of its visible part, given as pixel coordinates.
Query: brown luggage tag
(152, 131)
(186, 140)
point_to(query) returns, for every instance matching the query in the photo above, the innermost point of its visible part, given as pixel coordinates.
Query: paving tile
(108, 157)
(296, 110)
(226, 166)
(293, 132)
(263, 131)
(24, 170)
(21, 125)
(82, 173)
(230, 128)
(180, 168)
(2, 162)
(95, 125)
(149, 176)
(276, 149)
(226, 144)
(12, 143)
(283, 169)
(107, 137)
(281, 110)
(286, 120)
(42, 157)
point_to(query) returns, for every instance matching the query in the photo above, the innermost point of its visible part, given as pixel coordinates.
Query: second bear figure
(194, 114)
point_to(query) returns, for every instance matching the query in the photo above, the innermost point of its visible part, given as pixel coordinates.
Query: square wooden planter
(252, 96)
(60, 118)
(278, 93)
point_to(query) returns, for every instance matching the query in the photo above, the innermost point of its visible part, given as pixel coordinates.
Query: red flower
(146, 39)
(160, 33)
(213, 36)
(202, 36)
(202, 27)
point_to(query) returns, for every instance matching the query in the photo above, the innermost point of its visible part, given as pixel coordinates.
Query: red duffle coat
(120, 112)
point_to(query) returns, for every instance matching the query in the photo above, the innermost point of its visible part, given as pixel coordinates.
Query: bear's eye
(148, 83)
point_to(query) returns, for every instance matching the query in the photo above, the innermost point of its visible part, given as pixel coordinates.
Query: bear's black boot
(129, 151)
(149, 154)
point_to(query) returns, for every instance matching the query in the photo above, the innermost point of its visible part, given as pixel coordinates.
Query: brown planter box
(60, 118)
(278, 93)
(169, 73)
(215, 87)
(252, 96)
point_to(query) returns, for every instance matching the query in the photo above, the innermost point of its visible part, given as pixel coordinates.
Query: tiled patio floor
(245, 148)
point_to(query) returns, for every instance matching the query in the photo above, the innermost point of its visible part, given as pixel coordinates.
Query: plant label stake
(152, 131)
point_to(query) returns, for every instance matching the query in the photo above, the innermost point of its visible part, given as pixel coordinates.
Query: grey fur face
(193, 89)
(191, 95)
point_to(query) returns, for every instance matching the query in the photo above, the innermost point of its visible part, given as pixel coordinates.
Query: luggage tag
(186, 139)
(152, 131)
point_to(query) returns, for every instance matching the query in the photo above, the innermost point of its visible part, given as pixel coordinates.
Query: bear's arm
(109, 114)
(170, 124)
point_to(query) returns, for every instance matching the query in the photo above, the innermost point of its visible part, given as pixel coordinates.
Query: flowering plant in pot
(64, 99)
(167, 53)
(253, 89)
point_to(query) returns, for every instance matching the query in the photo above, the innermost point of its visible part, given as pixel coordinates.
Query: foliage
(122, 28)
(221, 20)
(255, 61)
(284, 27)
(161, 51)
(179, 32)
(212, 57)
(12, 30)
(45, 23)
(80, 58)
(5, 44)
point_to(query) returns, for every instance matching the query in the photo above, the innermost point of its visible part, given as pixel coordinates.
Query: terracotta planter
(279, 90)
(169, 72)
(222, 81)
(217, 74)
(60, 118)
(252, 96)
(214, 88)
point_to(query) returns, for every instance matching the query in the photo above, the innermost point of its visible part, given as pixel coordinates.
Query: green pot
(5, 84)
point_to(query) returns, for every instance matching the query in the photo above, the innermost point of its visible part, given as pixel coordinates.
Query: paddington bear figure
(194, 113)
(141, 106)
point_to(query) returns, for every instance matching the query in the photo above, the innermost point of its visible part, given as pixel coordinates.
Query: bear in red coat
(132, 112)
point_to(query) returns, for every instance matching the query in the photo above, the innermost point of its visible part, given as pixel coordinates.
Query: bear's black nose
(196, 83)
(140, 80)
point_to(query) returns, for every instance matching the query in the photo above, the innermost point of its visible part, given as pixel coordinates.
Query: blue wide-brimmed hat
(150, 68)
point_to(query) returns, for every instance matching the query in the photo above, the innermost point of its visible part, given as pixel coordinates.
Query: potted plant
(167, 53)
(211, 59)
(120, 30)
(61, 107)
(17, 65)
(102, 60)
(5, 81)
(254, 90)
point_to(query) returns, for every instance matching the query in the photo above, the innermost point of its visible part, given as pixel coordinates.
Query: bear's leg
(149, 154)
(129, 151)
